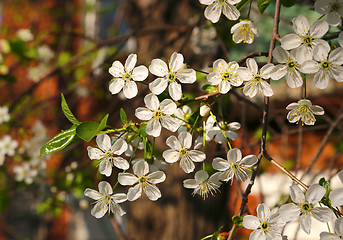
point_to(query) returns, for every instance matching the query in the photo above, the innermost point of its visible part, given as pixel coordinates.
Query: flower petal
(171, 156)
(234, 155)
(220, 164)
(212, 12)
(105, 167)
(93, 194)
(141, 168)
(103, 141)
(289, 211)
(322, 214)
(175, 91)
(94, 153)
(140, 73)
(186, 75)
(315, 193)
(105, 188)
(321, 80)
(296, 194)
(187, 165)
(99, 210)
(130, 62)
(280, 54)
(300, 25)
(134, 193)
(156, 177)
(168, 107)
(127, 179)
(190, 183)
(290, 41)
(294, 78)
(117, 69)
(201, 176)
(152, 192)
(248, 161)
(196, 155)
(263, 212)
(231, 12)
(144, 113)
(319, 29)
(176, 62)
(251, 222)
(185, 139)
(152, 102)
(305, 223)
(116, 85)
(173, 143)
(158, 68)
(252, 65)
(158, 85)
(121, 163)
(170, 123)
(130, 89)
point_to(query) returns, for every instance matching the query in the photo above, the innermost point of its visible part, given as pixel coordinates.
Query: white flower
(180, 151)
(235, 165)
(8, 145)
(4, 115)
(45, 53)
(125, 76)
(25, 35)
(144, 182)
(265, 225)
(224, 75)
(328, 66)
(214, 131)
(306, 37)
(4, 46)
(183, 114)
(303, 206)
(255, 78)
(336, 195)
(338, 229)
(36, 73)
(25, 172)
(105, 200)
(244, 31)
(216, 7)
(106, 154)
(289, 67)
(303, 111)
(169, 76)
(157, 113)
(155, 165)
(333, 9)
(203, 184)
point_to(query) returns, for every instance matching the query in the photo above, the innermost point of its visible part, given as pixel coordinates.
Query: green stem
(207, 237)
(203, 142)
(249, 9)
(200, 71)
(153, 148)
(112, 130)
(233, 231)
(228, 142)
(133, 154)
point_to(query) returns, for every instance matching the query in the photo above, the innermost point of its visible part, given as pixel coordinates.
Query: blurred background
(49, 47)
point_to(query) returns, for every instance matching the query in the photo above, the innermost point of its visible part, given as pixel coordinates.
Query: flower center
(291, 64)
(127, 77)
(264, 226)
(108, 155)
(257, 78)
(306, 207)
(325, 65)
(307, 40)
(245, 30)
(171, 77)
(142, 180)
(158, 114)
(221, 2)
(226, 76)
(183, 152)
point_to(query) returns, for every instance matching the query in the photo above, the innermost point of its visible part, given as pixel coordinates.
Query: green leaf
(63, 58)
(31, 53)
(103, 123)
(262, 5)
(67, 112)
(209, 88)
(142, 130)
(87, 130)
(241, 4)
(18, 47)
(324, 183)
(288, 3)
(60, 141)
(123, 116)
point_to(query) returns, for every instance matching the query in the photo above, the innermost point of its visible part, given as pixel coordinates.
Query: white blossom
(106, 154)
(303, 111)
(235, 166)
(289, 67)
(4, 114)
(125, 76)
(105, 200)
(266, 226)
(143, 181)
(304, 207)
(255, 79)
(244, 31)
(338, 229)
(158, 114)
(203, 184)
(25, 172)
(216, 7)
(336, 195)
(180, 151)
(306, 37)
(183, 114)
(169, 76)
(333, 9)
(205, 110)
(224, 75)
(154, 164)
(215, 131)
(8, 145)
(25, 34)
(327, 67)
(36, 73)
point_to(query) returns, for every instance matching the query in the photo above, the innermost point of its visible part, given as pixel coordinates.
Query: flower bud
(204, 110)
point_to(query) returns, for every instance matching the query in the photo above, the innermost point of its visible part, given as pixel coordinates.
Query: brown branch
(253, 54)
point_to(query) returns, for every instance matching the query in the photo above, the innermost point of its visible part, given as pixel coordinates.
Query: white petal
(103, 141)
(289, 212)
(116, 209)
(290, 41)
(339, 226)
(305, 51)
(168, 107)
(252, 65)
(336, 56)
(250, 89)
(196, 155)
(266, 70)
(234, 126)
(171, 156)
(121, 163)
(296, 194)
(263, 212)
(156, 177)
(322, 6)
(244, 74)
(116, 85)
(220, 164)
(187, 165)
(317, 110)
(173, 143)
(186, 75)
(144, 113)
(320, 53)
(328, 236)
(310, 67)
(105, 168)
(294, 79)
(280, 54)
(190, 183)
(278, 72)
(99, 210)
(119, 197)
(340, 39)
(319, 29)
(134, 193)
(214, 78)
(127, 179)
(333, 18)
(322, 214)
(117, 69)
(231, 12)
(185, 139)
(141, 168)
(140, 73)
(212, 12)
(305, 223)
(94, 153)
(315, 193)
(152, 192)
(293, 106)
(158, 85)
(300, 25)
(158, 68)
(266, 89)
(170, 123)
(130, 62)
(248, 161)
(336, 72)
(176, 62)
(201, 176)
(251, 222)
(175, 91)
(234, 155)
(152, 102)
(105, 188)
(224, 86)
(130, 89)
(321, 80)
(258, 234)
(340, 175)
(93, 194)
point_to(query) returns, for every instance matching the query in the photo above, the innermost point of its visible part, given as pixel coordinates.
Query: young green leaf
(262, 5)
(123, 116)
(60, 141)
(103, 123)
(87, 130)
(67, 112)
